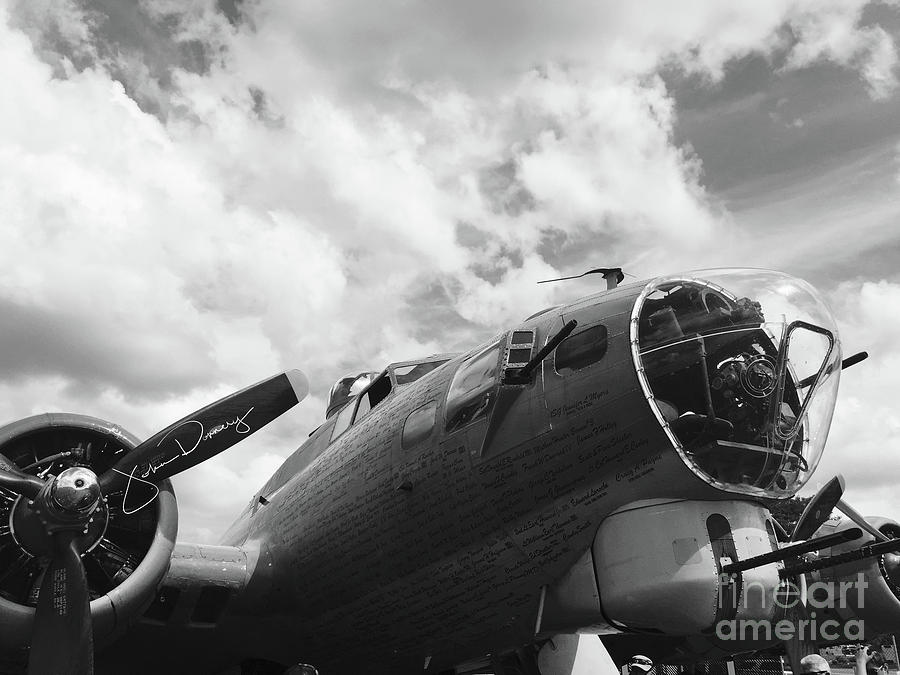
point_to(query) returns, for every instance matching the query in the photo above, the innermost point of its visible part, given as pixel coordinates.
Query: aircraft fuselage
(393, 556)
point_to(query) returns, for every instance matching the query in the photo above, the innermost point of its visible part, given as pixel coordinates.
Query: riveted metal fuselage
(393, 556)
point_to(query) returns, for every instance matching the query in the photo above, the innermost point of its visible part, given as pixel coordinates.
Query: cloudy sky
(195, 195)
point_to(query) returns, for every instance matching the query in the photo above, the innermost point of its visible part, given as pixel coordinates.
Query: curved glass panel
(342, 421)
(581, 349)
(346, 388)
(471, 393)
(418, 425)
(404, 374)
(741, 367)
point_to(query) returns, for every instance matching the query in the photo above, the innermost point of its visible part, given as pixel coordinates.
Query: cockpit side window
(581, 349)
(373, 396)
(418, 425)
(412, 372)
(346, 388)
(342, 421)
(361, 405)
(472, 391)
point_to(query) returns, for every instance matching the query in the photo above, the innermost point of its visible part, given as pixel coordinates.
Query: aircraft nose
(739, 368)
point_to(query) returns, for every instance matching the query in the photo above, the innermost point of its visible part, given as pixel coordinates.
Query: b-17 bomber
(602, 469)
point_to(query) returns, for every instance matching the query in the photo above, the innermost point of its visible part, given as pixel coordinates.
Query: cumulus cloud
(193, 201)
(865, 436)
(831, 30)
(61, 31)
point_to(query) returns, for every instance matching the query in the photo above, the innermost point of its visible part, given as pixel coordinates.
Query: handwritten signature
(240, 426)
(131, 477)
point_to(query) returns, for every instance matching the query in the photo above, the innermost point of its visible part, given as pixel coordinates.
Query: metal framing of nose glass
(782, 372)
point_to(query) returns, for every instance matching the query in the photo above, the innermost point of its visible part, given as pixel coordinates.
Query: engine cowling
(127, 553)
(866, 591)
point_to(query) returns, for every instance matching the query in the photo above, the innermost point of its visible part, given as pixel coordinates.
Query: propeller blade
(17, 481)
(207, 432)
(63, 636)
(818, 509)
(852, 514)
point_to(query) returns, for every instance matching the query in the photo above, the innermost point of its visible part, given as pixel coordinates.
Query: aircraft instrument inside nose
(741, 368)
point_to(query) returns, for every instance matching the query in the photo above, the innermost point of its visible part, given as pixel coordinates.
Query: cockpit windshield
(741, 367)
(346, 388)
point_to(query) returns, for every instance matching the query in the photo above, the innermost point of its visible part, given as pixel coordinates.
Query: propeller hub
(28, 528)
(76, 490)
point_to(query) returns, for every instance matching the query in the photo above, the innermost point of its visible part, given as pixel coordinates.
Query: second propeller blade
(208, 431)
(819, 509)
(63, 638)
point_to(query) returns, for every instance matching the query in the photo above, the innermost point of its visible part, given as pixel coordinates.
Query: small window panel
(363, 408)
(581, 349)
(522, 337)
(521, 345)
(342, 421)
(412, 372)
(418, 426)
(519, 350)
(374, 395)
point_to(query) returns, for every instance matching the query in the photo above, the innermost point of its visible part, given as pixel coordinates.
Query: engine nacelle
(131, 554)
(864, 591)
(669, 580)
